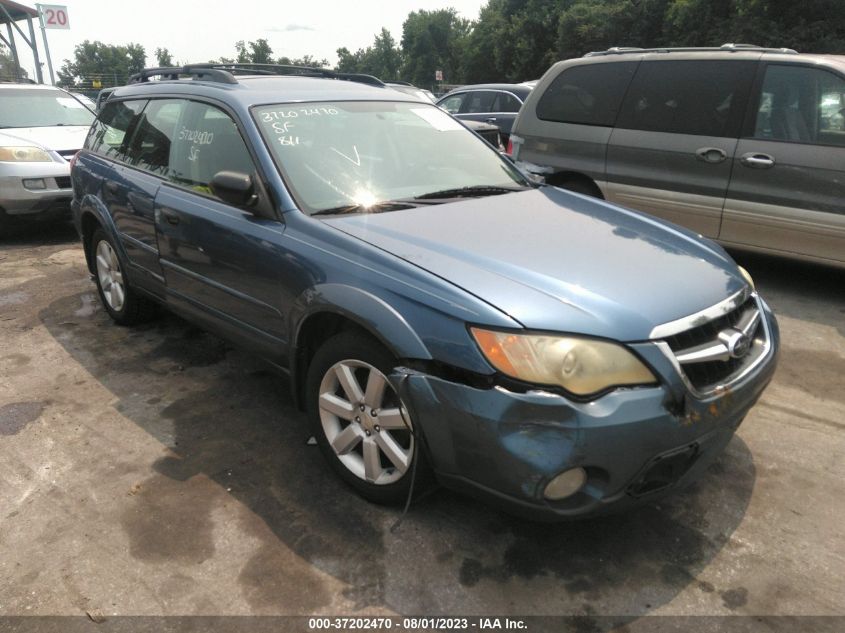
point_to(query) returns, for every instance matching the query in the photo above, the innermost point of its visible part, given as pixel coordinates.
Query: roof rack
(225, 73)
(622, 50)
(174, 72)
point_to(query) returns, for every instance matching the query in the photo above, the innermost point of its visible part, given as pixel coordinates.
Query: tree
(8, 70)
(305, 60)
(95, 61)
(433, 40)
(163, 57)
(383, 59)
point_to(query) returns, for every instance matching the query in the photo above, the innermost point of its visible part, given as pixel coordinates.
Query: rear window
(704, 98)
(108, 133)
(589, 94)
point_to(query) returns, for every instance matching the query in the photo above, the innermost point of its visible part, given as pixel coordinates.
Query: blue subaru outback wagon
(437, 313)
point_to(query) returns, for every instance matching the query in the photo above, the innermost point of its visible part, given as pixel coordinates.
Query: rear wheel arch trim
(562, 178)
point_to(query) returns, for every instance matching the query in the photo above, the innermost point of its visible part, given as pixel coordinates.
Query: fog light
(34, 183)
(566, 484)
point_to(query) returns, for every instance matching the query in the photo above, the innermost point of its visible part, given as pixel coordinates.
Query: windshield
(41, 108)
(355, 156)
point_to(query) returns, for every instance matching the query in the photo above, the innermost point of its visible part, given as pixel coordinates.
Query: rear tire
(361, 425)
(584, 187)
(119, 299)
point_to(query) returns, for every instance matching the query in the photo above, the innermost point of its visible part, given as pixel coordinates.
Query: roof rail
(288, 69)
(174, 72)
(623, 50)
(225, 73)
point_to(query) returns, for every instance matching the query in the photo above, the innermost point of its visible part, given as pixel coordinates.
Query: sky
(200, 30)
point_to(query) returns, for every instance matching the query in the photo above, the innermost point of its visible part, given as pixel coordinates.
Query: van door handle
(170, 218)
(756, 160)
(711, 154)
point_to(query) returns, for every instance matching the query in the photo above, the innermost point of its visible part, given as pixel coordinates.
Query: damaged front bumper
(634, 444)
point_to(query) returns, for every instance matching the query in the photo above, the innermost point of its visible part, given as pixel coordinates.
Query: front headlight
(581, 366)
(20, 154)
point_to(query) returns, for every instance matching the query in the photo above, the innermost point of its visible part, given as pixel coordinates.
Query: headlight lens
(17, 154)
(747, 276)
(581, 366)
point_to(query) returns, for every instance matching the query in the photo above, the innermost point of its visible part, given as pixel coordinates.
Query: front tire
(121, 302)
(362, 426)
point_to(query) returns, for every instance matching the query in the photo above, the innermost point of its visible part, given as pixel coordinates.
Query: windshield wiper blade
(469, 192)
(386, 205)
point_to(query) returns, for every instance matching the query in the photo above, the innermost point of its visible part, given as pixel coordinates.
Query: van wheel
(584, 187)
(361, 425)
(121, 302)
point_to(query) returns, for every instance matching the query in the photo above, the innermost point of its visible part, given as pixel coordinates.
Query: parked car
(489, 103)
(87, 101)
(739, 143)
(435, 311)
(42, 128)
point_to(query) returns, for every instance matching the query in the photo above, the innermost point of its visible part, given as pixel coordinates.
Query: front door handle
(756, 160)
(170, 218)
(711, 154)
(492, 119)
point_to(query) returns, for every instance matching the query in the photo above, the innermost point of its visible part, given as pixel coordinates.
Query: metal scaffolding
(10, 14)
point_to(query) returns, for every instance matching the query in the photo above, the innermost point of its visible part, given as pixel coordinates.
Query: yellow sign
(96, 84)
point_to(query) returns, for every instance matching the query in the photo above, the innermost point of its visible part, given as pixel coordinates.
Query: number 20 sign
(54, 16)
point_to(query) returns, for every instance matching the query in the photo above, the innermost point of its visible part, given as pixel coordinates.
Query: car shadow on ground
(226, 417)
(24, 234)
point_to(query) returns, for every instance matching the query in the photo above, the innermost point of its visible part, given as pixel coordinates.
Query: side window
(589, 94)
(453, 104)
(704, 98)
(801, 104)
(505, 102)
(149, 148)
(107, 135)
(478, 101)
(206, 141)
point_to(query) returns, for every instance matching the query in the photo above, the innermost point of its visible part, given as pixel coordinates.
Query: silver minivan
(743, 144)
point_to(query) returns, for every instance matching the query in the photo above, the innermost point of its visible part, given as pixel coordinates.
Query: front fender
(367, 310)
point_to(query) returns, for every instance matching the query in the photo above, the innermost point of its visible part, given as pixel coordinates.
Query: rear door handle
(756, 160)
(711, 154)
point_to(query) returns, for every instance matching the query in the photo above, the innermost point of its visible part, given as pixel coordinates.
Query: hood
(62, 138)
(558, 261)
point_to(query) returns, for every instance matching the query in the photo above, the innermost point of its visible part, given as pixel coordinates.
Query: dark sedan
(489, 103)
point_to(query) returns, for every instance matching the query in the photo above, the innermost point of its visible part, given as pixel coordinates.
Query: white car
(41, 129)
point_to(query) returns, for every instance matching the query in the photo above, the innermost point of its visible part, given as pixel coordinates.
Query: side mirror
(234, 187)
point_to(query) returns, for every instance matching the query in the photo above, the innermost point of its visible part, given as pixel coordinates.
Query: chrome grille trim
(708, 314)
(753, 319)
(720, 348)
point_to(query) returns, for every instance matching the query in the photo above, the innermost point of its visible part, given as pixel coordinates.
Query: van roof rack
(731, 47)
(226, 73)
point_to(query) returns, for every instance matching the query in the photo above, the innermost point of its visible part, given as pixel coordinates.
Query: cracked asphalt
(159, 471)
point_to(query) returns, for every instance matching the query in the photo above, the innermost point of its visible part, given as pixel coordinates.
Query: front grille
(63, 182)
(714, 364)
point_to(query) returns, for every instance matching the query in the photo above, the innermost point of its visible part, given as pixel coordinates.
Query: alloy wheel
(110, 276)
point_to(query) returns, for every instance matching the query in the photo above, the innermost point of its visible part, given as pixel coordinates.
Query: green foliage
(163, 57)
(305, 60)
(8, 70)
(431, 41)
(96, 61)
(383, 59)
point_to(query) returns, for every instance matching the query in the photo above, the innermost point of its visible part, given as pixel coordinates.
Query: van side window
(149, 148)
(801, 104)
(588, 94)
(107, 135)
(704, 98)
(206, 141)
(453, 104)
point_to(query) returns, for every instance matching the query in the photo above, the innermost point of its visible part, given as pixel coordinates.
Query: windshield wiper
(386, 205)
(469, 192)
